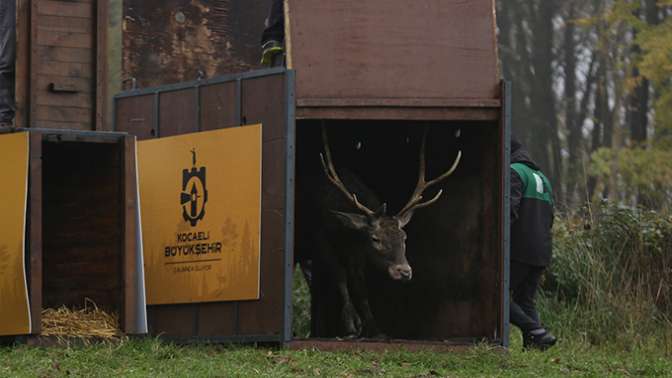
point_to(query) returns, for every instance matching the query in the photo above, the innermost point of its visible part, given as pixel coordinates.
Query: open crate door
(192, 143)
(14, 303)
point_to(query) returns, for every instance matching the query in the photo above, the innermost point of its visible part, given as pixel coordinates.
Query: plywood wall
(63, 64)
(170, 41)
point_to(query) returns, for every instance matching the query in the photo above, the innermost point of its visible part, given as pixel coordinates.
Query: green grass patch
(607, 298)
(150, 357)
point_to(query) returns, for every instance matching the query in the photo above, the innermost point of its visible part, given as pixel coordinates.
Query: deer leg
(361, 301)
(348, 314)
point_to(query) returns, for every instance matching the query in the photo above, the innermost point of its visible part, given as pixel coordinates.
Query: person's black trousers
(275, 23)
(7, 58)
(524, 281)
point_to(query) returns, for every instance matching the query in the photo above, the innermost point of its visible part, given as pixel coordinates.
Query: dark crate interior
(82, 224)
(453, 246)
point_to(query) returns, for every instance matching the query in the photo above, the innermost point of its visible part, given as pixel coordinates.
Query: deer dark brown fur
(345, 233)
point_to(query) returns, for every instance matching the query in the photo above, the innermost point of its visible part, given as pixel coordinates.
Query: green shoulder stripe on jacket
(535, 183)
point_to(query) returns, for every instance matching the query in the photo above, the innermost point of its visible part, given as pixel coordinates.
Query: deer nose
(405, 272)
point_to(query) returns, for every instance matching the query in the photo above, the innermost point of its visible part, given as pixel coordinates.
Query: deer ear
(405, 218)
(351, 220)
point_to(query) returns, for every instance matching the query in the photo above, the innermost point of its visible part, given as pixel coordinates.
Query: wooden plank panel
(178, 113)
(74, 100)
(61, 8)
(263, 102)
(265, 317)
(65, 54)
(75, 84)
(104, 55)
(129, 318)
(218, 104)
(398, 114)
(393, 49)
(35, 232)
(65, 69)
(135, 115)
(64, 39)
(82, 197)
(216, 319)
(63, 114)
(65, 23)
(216, 37)
(61, 125)
(273, 175)
(62, 54)
(172, 320)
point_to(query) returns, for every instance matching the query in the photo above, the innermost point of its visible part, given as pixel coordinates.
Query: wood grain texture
(178, 113)
(35, 232)
(131, 276)
(65, 8)
(63, 52)
(170, 41)
(135, 115)
(82, 224)
(452, 245)
(262, 101)
(381, 49)
(218, 104)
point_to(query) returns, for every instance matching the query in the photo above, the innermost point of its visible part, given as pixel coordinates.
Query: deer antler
(330, 171)
(416, 199)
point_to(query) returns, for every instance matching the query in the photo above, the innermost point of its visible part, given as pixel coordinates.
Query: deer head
(385, 235)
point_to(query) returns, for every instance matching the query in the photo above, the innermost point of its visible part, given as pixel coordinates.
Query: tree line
(592, 95)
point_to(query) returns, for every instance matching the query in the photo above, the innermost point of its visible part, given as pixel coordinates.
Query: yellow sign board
(14, 307)
(200, 197)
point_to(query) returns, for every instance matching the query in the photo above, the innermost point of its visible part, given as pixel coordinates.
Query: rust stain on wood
(178, 40)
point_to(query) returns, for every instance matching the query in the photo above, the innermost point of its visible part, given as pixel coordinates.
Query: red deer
(348, 234)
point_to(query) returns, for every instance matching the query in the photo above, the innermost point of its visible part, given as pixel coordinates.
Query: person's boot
(270, 51)
(539, 339)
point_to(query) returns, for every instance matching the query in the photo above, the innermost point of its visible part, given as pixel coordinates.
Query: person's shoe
(270, 50)
(539, 339)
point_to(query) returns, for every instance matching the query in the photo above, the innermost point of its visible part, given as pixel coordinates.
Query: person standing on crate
(273, 38)
(7, 58)
(531, 244)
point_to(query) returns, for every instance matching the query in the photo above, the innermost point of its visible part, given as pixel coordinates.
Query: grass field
(577, 354)
(149, 357)
(599, 303)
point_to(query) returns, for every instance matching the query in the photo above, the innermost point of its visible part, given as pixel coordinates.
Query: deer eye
(375, 239)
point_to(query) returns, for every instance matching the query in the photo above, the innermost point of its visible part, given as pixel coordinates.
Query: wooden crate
(82, 234)
(383, 59)
(73, 56)
(429, 60)
(264, 97)
(58, 76)
(377, 72)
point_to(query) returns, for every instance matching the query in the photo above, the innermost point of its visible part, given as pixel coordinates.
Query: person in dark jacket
(272, 40)
(531, 244)
(7, 58)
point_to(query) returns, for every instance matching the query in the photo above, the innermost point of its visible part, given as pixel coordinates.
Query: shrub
(615, 271)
